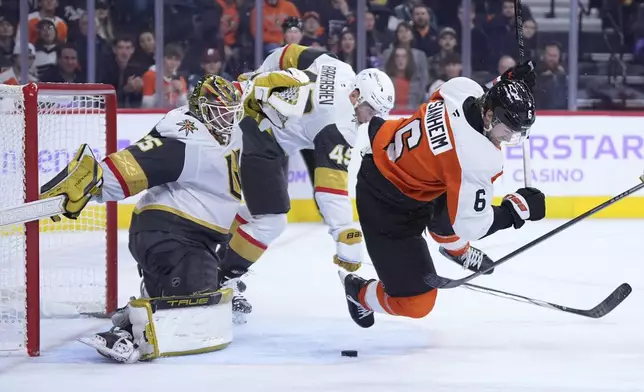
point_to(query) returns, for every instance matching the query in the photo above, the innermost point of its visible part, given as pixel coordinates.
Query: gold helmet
(217, 103)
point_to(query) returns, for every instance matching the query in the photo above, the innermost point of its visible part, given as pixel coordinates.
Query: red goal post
(70, 268)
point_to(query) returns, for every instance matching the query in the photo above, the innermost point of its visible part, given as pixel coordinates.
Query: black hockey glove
(524, 72)
(525, 204)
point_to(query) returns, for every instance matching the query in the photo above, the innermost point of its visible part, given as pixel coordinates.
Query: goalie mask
(217, 103)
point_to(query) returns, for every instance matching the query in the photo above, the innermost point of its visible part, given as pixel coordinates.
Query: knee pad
(196, 272)
(417, 306)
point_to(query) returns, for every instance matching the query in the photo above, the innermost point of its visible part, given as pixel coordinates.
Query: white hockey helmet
(376, 89)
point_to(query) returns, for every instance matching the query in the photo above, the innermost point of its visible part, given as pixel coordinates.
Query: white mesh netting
(72, 253)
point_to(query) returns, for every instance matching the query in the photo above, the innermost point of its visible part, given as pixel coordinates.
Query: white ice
(470, 342)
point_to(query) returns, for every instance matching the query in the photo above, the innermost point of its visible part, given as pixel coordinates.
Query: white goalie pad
(174, 326)
(168, 326)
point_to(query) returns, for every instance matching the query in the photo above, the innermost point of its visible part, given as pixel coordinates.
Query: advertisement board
(577, 161)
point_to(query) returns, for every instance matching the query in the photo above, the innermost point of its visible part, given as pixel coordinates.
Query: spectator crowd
(416, 42)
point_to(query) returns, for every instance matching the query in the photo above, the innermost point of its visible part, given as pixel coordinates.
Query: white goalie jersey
(189, 177)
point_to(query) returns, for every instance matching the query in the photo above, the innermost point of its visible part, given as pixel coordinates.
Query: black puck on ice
(349, 353)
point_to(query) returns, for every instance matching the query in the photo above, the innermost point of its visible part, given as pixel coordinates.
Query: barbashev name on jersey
(327, 85)
(435, 127)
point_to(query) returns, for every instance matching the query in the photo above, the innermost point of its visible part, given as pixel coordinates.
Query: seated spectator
(292, 30)
(211, 64)
(79, 39)
(480, 45)
(530, 40)
(144, 53)
(501, 32)
(447, 44)
(425, 39)
(405, 37)
(229, 25)
(11, 75)
(377, 41)
(47, 9)
(505, 62)
(401, 69)
(175, 92)
(67, 70)
(47, 46)
(275, 12)
(347, 49)
(124, 74)
(551, 90)
(451, 67)
(104, 28)
(312, 33)
(6, 40)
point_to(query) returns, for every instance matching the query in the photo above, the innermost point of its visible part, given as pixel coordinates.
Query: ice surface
(470, 342)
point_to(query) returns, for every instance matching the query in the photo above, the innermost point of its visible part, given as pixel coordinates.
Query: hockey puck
(349, 353)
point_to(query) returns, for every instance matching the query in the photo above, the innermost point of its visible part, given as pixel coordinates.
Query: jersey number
(149, 142)
(408, 136)
(234, 180)
(479, 201)
(341, 154)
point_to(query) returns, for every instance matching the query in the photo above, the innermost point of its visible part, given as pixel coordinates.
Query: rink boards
(578, 161)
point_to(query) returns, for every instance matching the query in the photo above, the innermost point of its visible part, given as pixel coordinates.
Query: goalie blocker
(150, 328)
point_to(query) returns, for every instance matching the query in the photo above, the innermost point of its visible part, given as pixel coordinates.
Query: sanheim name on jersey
(436, 128)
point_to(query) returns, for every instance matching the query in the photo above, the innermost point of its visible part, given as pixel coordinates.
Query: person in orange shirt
(176, 89)
(47, 10)
(229, 24)
(275, 12)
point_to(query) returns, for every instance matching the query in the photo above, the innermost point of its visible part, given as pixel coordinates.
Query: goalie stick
(600, 310)
(32, 211)
(447, 283)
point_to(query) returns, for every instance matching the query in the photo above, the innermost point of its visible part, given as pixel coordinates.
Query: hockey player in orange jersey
(436, 170)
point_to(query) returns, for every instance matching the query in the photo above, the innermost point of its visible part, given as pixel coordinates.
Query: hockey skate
(241, 306)
(117, 344)
(352, 286)
(473, 259)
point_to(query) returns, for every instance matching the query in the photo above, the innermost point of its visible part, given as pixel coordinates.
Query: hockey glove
(348, 251)
(79, 181)
(277, 95)
(524, 72)
(525, 204)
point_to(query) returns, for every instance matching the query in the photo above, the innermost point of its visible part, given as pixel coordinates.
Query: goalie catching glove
(348, 254)
(276, 95)
(78, 182)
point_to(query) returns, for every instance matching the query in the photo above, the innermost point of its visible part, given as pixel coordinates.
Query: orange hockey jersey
(437, 151)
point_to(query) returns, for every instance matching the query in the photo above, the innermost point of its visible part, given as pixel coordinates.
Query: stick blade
(611, 302)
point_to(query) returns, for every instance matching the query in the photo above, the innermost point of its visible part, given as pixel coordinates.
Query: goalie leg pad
(182, 325)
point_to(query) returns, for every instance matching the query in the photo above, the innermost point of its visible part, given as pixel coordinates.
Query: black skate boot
(352, 286)
(241, 306)
(474, 259)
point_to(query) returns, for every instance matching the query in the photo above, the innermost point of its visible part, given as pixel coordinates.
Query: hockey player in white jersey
(338, 103)
(189, 167)
(436, 169)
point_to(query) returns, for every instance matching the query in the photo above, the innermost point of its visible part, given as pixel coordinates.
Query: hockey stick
(600, 310)
(447, 283)
(613, 300)
(527, 167)
(32, 211)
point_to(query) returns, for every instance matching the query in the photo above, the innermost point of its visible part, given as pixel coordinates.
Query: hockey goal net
(53, 270)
